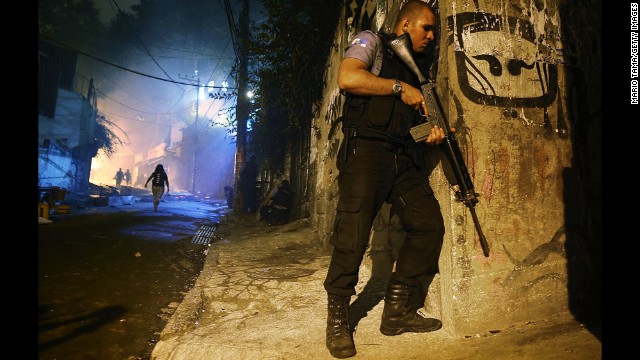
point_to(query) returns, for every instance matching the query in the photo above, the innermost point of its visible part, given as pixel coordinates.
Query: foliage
(290, 49)
(70, 21)
(223, 96)
(105, 138)
(183, 34)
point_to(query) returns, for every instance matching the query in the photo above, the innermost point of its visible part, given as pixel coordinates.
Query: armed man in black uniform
(376, 166)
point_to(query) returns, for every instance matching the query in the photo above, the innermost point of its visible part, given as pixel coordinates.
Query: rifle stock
(401, 46)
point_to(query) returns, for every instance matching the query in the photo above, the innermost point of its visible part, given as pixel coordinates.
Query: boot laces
(421, 313)
(337, 322)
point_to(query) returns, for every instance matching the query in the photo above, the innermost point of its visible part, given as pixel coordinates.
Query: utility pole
(242, 106)
(195, 78)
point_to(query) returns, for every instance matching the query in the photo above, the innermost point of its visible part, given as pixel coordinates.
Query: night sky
(106, 11)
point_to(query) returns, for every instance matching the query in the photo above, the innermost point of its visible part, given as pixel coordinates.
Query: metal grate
(204, 234)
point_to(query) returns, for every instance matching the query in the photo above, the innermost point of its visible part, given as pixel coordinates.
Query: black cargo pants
(374, 172)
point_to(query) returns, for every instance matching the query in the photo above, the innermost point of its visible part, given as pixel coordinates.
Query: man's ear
(405, 25)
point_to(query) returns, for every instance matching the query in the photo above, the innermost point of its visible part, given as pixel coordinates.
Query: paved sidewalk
(260, 296)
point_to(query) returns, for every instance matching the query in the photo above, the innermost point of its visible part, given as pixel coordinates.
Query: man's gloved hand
(467, 200)
(456, 191)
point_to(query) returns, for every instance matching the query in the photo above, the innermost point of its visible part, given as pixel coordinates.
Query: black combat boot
(397, 315)
(339, 338)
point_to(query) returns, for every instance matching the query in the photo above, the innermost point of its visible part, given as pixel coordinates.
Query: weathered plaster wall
(67, 162)
(67, 121)
(503, 82)
(500, 80)
(55, 167)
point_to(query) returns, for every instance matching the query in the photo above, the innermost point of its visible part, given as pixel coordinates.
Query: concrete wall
(56, 166)
(67, 122)
(66, 163)
(503, 80)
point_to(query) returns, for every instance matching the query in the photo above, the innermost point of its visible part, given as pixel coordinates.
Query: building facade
(66, 120)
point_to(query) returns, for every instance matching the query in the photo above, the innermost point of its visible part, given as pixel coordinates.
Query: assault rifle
(401, 46)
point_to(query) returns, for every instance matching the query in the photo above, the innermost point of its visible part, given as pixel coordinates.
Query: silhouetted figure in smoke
(127, 178)
(228, 193)
(118, 178)
(247, 180)
(158, 178)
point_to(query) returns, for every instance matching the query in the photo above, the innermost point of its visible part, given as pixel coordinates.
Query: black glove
(456, 191)
(468, 199)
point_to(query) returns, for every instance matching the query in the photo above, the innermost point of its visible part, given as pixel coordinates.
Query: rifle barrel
(483, 240)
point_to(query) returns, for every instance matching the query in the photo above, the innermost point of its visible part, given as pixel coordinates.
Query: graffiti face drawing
(498, 67)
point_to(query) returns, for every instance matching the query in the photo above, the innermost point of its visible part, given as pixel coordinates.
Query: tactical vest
(382, 117)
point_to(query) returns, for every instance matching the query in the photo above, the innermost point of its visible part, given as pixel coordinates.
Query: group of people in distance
(126, 176)
(158, 179)
(275, 209)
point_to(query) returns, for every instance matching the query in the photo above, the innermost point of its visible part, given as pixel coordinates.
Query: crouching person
(276, 208)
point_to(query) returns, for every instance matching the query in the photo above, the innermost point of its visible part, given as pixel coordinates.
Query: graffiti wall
(503, 80)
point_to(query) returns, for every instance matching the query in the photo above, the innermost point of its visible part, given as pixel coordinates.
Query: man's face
(422, 30)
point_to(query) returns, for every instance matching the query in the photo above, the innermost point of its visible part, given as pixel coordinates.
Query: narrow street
(110, 277)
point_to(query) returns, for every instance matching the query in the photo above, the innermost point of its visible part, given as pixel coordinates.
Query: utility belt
(395, 146)
(400, 149)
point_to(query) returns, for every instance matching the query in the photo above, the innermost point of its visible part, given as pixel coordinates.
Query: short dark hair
(411, 10)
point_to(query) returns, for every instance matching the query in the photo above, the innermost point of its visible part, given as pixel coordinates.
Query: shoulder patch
(358, 41)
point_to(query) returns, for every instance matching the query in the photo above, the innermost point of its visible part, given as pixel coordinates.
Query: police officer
(376, 166)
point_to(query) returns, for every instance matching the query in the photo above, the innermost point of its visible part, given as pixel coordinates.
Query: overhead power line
(141, 42)
(233, 27)
(68, 47)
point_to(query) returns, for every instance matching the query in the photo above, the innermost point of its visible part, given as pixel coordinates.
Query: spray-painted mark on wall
(360, 14)
(465, 136)
(334, 118)
(464, 261)
(497, 157)
(496, 64)
(488, 77)
(333, 114)
(537, 257)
